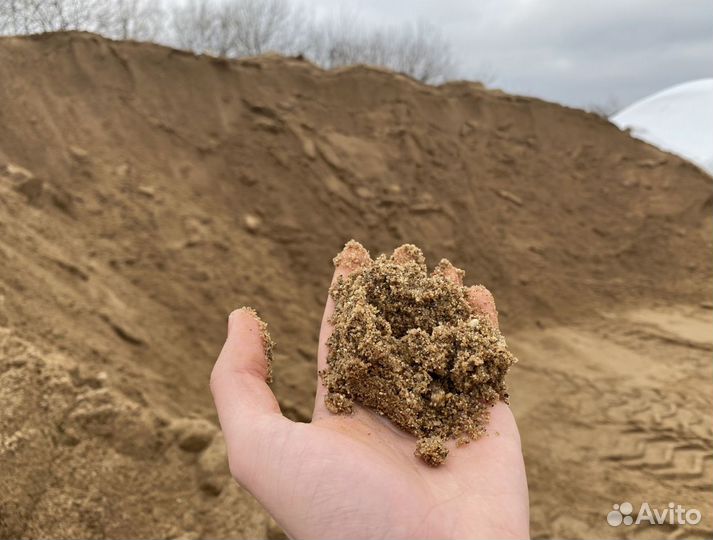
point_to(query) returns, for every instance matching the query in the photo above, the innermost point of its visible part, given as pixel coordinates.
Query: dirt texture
(410, 346)
(146, 192)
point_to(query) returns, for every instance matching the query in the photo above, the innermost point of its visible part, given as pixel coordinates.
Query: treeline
(236, 28)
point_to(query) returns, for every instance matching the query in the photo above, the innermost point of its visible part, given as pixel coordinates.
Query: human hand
(356, 476)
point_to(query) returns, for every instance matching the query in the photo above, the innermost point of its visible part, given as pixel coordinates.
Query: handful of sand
(410, 346)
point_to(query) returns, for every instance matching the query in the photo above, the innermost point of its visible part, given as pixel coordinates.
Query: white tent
(678, 119)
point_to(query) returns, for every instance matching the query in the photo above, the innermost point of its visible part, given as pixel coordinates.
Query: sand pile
(146, 192)
(410, 346)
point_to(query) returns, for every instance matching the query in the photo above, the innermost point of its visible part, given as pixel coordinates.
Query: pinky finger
(482, 302)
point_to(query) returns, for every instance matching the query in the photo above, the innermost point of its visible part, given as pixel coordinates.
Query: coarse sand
(410, 346)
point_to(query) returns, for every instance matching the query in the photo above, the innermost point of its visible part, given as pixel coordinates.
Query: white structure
(678, 119)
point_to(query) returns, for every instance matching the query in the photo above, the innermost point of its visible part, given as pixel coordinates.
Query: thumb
(249, 413)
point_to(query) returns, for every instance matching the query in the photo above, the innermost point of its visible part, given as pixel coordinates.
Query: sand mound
(83, 460)
(145, 192)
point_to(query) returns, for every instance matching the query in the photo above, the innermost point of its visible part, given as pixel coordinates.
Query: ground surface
(635, 423)
(144, 193)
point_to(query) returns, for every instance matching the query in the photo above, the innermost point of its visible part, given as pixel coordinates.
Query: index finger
(353, 257)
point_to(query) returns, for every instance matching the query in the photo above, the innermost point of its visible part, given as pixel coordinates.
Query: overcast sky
(576, 52)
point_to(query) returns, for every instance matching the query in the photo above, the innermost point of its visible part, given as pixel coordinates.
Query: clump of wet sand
(410, 346)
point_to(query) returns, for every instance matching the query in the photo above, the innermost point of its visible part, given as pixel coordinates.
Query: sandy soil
(144, 193)
(633, 423)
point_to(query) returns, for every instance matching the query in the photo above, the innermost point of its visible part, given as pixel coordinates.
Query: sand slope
(145, 192)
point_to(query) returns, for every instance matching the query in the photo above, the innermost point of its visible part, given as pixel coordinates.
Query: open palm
(356, 476)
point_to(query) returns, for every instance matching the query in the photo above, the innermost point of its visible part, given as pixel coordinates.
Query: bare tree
(19, 16)
(141, 20)
(9, 18)
(265, 25)
(335, 40)
(237, 28)
(193, 26)
(59, 15)
(34, 16)
(419, 50)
